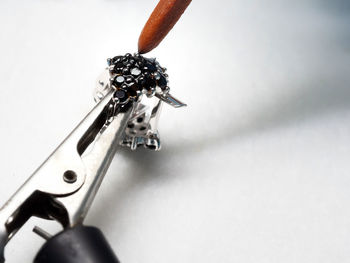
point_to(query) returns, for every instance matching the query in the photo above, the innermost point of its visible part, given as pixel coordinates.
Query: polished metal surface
(64, 186)
(96, 160)
(142, 126)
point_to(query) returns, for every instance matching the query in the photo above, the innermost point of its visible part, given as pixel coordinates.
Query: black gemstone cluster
(133, 75)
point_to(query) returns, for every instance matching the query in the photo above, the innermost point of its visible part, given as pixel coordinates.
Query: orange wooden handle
(161, 21)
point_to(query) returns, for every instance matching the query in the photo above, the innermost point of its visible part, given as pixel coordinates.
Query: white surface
(255, 169)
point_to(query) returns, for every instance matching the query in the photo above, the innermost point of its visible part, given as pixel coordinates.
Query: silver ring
(143, 82)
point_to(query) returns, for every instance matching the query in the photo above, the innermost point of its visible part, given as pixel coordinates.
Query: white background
(255, 169)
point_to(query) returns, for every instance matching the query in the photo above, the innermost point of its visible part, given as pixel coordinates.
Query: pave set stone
(134, 75)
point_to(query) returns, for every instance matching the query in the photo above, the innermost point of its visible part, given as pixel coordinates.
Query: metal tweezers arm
(64, 186)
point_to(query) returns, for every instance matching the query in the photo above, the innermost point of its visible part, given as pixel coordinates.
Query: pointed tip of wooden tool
(161, 21)
(143, 47)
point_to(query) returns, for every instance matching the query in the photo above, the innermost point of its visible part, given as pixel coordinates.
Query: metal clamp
(64, 186)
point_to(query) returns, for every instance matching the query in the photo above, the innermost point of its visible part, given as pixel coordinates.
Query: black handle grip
(81, 244)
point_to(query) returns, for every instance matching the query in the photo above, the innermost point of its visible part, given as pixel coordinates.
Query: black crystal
(133, 73)
(118, 67)
(118, 81)
(162, 82)
(150, 67)
(120, 95)
(116, 59)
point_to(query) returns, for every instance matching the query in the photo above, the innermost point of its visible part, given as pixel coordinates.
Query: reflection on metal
(65, 185)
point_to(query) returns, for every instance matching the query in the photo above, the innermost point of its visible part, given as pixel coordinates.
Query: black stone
(149, 83)
(116, 59)
(146, 74)
(119, 80)
(142, 81)
(118, 68)
(129, 79)
(120, 95)
(132, 93)
(126, 71)
(136, 73)
(150, 67)
(134, 86)
(162, 82)
(140, 62)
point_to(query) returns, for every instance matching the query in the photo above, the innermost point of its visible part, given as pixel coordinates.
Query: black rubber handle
(81, 244)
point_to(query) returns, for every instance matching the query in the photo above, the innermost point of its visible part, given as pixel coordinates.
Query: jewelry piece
(145, 83)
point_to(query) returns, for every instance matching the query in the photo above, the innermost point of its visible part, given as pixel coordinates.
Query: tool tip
(161, 21)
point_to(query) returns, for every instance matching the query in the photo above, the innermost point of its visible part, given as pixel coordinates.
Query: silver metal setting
(142, 127)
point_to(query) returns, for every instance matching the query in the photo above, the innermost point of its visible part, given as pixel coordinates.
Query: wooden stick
(161, 21)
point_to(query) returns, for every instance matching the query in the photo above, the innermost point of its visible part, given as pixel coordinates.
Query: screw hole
(70, 177)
